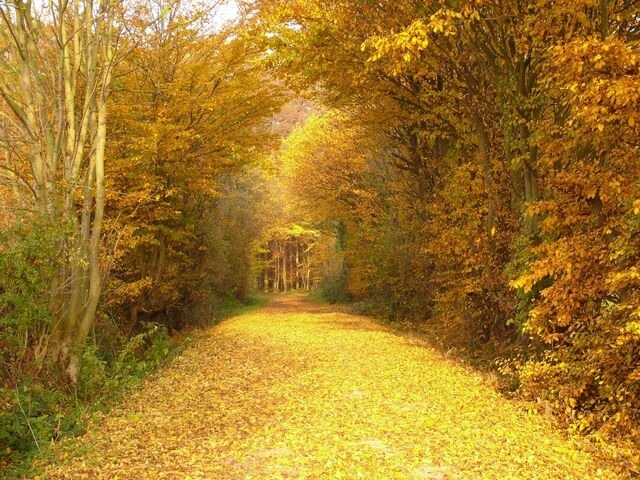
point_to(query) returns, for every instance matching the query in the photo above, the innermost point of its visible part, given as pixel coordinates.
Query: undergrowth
(38, 411)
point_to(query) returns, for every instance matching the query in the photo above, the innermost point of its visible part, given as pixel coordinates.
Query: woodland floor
(301, 391)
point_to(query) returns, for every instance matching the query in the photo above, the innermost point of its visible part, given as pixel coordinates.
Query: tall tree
(55, 84)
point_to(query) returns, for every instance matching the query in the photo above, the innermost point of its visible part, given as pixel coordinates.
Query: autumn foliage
(189, 123)
(469, 167)
(483, 157)
(341, 382)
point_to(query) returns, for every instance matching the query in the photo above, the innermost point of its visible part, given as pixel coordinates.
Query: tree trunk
(297, 265)
(483, 144)
(284, 271)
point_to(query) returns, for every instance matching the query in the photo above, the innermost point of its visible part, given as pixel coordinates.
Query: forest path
(298, 390)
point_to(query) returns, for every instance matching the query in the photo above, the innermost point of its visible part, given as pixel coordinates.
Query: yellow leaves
(407, 45)
(437, 25)
(445, 22)
(523, 282)
(636, 207)
(633, 328)
(404, 46)
(299, 390)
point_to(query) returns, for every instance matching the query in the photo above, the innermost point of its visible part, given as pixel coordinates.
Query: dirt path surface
(300, 391)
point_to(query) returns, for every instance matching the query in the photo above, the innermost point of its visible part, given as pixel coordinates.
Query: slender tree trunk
(308, 275)
(297, 265)
(485, 152)
(276, 277)
(284, 270)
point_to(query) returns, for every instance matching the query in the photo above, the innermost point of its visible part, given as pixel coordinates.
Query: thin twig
(27, 419)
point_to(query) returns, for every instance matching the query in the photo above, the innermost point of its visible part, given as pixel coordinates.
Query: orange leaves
(599, 77)
(587, 256)
(190, 118)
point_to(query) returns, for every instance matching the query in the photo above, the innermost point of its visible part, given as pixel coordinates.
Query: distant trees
(285, 259)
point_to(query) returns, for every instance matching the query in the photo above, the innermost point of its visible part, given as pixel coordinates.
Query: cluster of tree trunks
(286, 262)
(52, 146)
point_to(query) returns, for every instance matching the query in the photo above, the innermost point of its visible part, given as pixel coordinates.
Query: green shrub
(29, 261)
(144, 351)
(334, 289)
(32, 415)
(93, 372)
